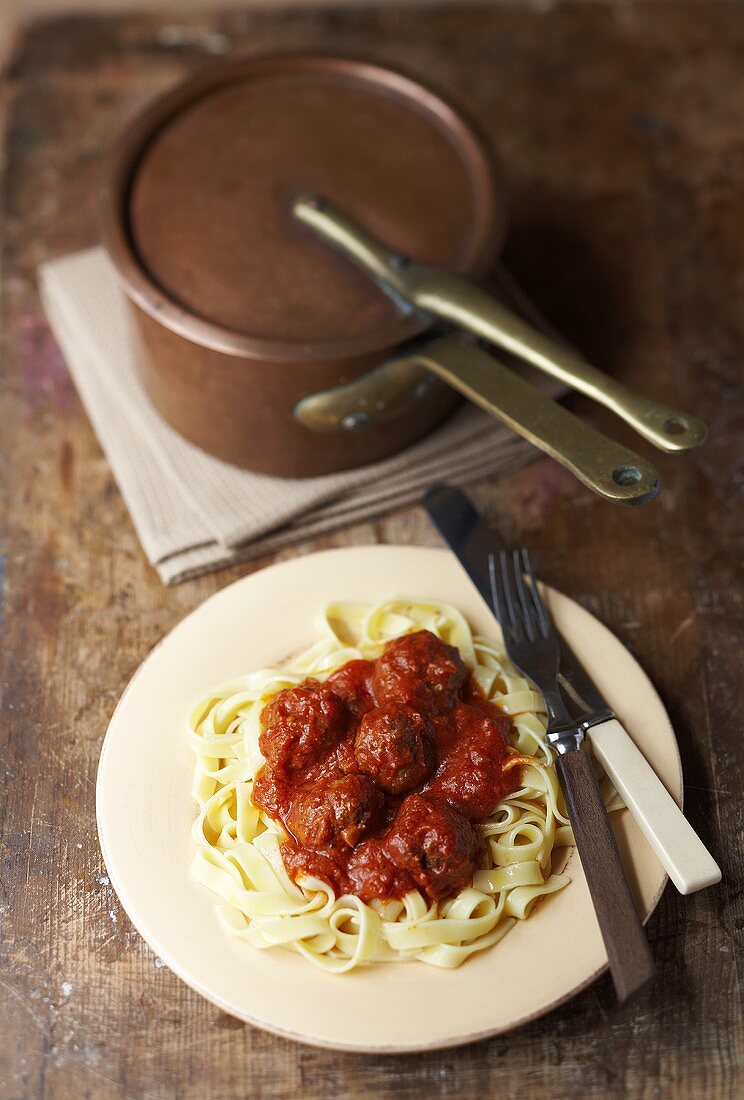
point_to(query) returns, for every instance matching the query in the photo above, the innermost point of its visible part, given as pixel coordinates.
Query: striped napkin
(194, 513)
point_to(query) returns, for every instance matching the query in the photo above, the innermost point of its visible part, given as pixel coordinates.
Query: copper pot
(239, 310)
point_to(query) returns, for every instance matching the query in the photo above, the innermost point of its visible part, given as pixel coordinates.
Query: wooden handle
(685, 858)
(631, 961)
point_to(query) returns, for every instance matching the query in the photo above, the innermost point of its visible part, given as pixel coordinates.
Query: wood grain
(631, 960)
(621, 128)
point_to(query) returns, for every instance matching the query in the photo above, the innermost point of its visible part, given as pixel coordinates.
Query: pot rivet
(355, 420)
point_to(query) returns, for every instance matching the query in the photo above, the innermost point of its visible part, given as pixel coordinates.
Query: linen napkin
(194, 513)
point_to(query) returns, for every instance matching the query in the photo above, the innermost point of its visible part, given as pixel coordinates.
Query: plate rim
(317, 1042)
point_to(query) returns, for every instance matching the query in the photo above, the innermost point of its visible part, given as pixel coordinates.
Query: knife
(680, 850)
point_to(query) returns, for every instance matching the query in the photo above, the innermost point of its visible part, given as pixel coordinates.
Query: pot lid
(209, 197)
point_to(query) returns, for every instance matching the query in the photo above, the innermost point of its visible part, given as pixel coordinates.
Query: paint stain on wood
(44, 376)
(66, 465)
(539, 489)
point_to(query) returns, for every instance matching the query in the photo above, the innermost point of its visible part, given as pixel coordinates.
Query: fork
(533, 646)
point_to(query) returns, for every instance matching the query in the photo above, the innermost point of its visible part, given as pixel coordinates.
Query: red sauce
(378, 774)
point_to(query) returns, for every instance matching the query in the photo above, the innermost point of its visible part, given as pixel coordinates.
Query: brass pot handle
(606, 467)
(377, 397)
(448, 296)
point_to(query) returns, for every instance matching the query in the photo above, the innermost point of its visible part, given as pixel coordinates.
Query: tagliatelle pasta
(238, 846)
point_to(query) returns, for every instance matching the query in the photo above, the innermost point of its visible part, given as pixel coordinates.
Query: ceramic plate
(145, 814)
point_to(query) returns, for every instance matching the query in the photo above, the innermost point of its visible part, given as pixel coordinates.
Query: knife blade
(682, 853)
(471, 540)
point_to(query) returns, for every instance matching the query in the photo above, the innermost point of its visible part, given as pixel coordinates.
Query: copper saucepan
(263, 346)
(240, 313)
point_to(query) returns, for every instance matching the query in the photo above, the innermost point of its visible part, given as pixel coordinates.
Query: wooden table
(621, 126)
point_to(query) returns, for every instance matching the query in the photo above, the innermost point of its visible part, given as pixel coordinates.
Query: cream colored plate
(145, 813)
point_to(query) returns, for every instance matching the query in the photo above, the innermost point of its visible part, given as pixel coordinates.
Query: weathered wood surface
(622, 129)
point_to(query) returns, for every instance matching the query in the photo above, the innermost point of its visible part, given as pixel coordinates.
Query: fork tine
(542, 612)
(528, 615)
(497, 594)
(508, 589)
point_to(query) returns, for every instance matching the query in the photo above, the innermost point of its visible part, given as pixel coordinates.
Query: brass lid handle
(450, 297)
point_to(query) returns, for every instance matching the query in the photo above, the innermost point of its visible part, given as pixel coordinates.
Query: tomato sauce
(378, 774)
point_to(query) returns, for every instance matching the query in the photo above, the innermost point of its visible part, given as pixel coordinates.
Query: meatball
(353, 682)
(373, 876)
(301, 725)
(335, 812)
(420, 670)
(471, 776)
(434, 844)
(393, 745)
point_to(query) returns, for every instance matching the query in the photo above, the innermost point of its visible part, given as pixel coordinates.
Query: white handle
(687, 861)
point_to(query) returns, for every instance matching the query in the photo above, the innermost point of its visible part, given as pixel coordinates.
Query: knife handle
(628, 951)
(683, 855)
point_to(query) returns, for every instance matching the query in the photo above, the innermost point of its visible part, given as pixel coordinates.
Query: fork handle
(628, 951)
